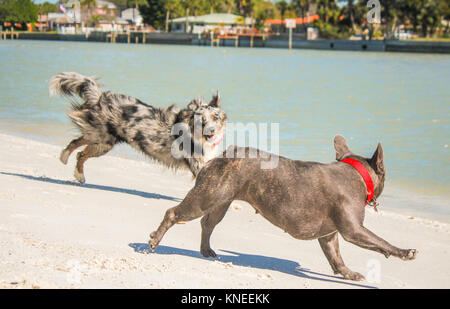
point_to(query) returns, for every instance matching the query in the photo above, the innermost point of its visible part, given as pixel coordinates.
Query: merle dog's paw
(153, 243)
(409, 254)
(208, 252)
(79, 177)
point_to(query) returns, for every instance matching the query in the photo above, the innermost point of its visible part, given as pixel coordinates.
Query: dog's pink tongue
(217, 140)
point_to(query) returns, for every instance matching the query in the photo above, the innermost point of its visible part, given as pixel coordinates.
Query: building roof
(218, 18)
(299, 20)
(129, 13)
(100, 4)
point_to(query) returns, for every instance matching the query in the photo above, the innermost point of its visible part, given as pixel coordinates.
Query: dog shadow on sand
(251, 260)
(97, 187)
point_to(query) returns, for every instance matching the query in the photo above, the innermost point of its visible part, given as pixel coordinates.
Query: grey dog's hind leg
(74, 144)
(198, 202)
(208, 223)
(330, 246)
(92, 150)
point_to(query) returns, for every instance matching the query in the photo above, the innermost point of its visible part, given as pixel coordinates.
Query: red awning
(299, 20)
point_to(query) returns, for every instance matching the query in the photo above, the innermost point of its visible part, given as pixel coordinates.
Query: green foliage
(47, 7)
(330, 31)
(137, 3)
(18, 11)
(154, 14)
(120, 3)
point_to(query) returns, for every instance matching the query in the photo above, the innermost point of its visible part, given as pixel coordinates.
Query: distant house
(103, 9)
(133, 16)
(200, 24)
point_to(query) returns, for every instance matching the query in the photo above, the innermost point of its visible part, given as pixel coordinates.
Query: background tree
(47, 7)
(171, 6)
(429, 17)
(263, 10)
(302, 7)
(229, 5)
(282, 7)
(154, 14)
(350, 11)
(18, 11)
(187, 6)
(444, 8)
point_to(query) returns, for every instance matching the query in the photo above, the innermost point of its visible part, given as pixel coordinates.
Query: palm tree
(282, 6)
(171, 5)
(196, 5)
(187, 5)
(211, 6)
(229, 4)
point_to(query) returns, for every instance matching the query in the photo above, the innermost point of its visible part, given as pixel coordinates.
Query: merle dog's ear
(194, 104)
(215, 101)
(341, 147)
(377, 160)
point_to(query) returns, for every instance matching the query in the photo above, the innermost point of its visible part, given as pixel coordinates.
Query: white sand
(54, 233)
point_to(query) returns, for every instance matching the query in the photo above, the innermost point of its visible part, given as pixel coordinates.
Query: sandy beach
(55, 233)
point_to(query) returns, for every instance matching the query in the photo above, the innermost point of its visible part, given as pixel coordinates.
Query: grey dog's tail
(71, 83)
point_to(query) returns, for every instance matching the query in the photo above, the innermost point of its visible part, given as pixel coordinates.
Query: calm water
(401, 100)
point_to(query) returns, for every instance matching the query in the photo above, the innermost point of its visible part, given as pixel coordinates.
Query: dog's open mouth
(214, 139)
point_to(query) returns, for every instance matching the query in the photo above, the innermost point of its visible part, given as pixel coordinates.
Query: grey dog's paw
(410, 254)
(354, 276)
(153, 242)
(351, 275)
(208, 252)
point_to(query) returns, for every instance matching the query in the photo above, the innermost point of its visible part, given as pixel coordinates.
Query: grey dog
(106, 118)
(309, 200)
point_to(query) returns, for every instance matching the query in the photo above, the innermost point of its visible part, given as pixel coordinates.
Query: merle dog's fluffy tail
(71, 84)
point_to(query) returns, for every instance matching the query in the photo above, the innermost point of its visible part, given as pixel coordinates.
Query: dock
(12, 35)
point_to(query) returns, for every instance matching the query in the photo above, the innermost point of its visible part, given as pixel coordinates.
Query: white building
(200, 24)
(133, 16)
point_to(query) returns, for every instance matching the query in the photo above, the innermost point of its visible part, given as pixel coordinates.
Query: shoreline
(391, 194)
(272, 41)
(57, 233)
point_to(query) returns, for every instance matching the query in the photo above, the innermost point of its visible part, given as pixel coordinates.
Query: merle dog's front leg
(330, 246)
(352, 230)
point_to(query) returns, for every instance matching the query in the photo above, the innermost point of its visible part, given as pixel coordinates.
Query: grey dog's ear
(377, 160)
(341, 147)
(215, 101)
(194, 104)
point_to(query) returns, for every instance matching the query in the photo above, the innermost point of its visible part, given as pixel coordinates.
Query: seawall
(272, 41)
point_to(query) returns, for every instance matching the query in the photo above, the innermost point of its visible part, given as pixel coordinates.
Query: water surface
(401, 100)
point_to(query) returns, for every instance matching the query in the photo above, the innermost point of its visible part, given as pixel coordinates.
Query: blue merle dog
(105, 119)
